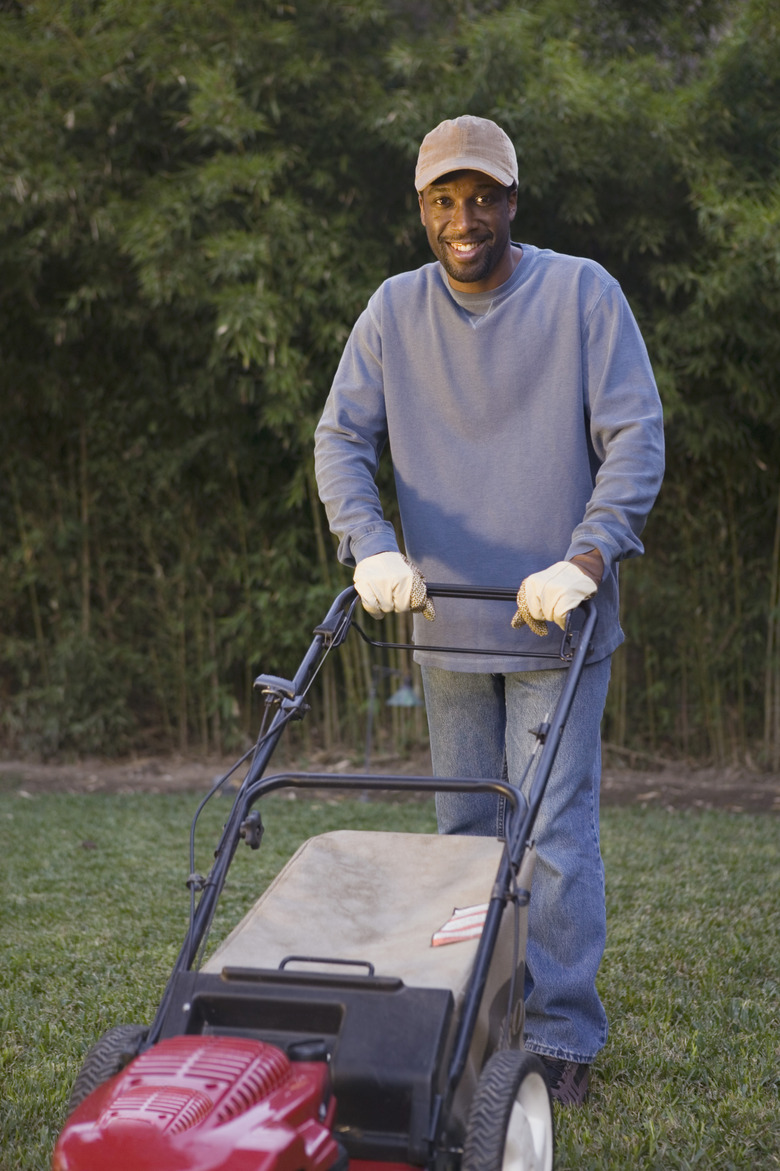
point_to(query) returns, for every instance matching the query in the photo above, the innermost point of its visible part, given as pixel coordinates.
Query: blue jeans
(479, 727)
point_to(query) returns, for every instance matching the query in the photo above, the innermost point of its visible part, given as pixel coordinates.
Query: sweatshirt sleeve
(625, 421)
(348, 442)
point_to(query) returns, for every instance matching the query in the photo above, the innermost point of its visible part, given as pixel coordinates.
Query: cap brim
(428, 174)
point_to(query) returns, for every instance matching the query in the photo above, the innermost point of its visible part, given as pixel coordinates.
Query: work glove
(388, 582)
(549, 595)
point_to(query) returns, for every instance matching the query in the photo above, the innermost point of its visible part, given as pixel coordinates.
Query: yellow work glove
(388, 582)
(549, 595)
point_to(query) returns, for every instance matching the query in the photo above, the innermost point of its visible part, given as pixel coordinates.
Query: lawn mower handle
(330, 633)
(340, 618)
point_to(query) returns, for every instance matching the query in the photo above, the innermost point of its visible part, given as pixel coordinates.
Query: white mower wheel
(510, 1124)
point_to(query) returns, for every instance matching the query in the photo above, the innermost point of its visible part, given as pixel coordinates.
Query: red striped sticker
(463, 923)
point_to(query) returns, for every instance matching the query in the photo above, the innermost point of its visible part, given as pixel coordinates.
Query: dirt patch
(667, 786)
(739, 791)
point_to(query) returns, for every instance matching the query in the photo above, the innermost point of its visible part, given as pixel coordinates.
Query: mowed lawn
(93, 909)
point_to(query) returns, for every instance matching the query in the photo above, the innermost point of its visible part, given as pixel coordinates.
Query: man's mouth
(465, 249)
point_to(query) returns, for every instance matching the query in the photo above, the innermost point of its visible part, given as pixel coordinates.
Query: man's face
(467, 216)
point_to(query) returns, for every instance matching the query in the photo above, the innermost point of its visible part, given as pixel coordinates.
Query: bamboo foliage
(196, 203)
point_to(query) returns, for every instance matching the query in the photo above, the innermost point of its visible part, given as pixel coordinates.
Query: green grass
(93, 910)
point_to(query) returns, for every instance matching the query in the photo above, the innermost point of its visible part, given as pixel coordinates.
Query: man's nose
(462, 216)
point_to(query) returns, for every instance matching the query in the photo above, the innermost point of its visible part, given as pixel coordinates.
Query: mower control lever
(275, 685)
(252, 829)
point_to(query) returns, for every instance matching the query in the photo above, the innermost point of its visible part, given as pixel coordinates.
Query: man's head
(466, 180)
(466, 144)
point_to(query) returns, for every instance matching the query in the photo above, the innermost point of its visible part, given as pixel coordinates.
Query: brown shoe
(568, 1080)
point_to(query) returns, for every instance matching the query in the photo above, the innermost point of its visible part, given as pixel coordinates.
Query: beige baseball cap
(466, 144)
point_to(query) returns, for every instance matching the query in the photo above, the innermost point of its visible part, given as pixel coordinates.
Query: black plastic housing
(386, 1043)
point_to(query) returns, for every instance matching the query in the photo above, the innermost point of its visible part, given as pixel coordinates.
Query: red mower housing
(203, 1103)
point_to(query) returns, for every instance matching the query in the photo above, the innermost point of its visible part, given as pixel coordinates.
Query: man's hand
(549, 595)
(388, 582)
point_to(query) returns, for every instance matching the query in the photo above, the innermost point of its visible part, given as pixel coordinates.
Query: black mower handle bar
(290, 696)
(336, 624)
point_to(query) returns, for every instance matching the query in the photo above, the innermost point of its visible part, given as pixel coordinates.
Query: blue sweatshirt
(524, 427)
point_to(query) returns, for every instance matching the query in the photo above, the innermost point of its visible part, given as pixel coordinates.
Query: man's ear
(512, 202)
(421, 204)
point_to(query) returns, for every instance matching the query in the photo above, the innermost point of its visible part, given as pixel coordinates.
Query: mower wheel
(510, 1124)
(107, 1057)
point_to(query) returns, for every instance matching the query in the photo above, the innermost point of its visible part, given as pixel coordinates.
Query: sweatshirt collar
(481, 303)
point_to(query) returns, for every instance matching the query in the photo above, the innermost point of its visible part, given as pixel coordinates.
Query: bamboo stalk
(616, 706)
(332, 719)
(323, 560)
(326, 686)
(649, 696)
(161, 693)
(86, 569)
(772, 657)
(181, 663)
(618, 692)
(200, 696)
(216, 717)
(740, 747)
(166, 699)
(684, 722)
(246, 581)
(32, 593)
(696, 625)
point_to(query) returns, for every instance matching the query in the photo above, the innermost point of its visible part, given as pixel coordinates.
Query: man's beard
(467, 272)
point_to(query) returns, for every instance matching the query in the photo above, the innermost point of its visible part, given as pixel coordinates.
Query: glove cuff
(523, 617)
(419, 602)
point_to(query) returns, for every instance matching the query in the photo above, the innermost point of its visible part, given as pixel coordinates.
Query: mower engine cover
(198, 1103)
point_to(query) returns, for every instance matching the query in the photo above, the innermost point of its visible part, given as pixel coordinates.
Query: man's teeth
(463, 247)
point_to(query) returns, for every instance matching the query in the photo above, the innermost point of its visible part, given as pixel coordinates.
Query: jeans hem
(560, 1054)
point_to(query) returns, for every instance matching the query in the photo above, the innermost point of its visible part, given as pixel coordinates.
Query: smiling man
(467, 217)
(515, 392)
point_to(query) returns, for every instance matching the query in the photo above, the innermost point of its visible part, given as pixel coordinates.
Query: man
(526, 436)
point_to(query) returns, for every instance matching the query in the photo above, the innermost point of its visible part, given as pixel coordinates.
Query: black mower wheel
(107, 1057)
(510, 1124)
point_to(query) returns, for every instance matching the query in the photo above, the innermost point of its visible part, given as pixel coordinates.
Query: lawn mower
(367, 1012)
